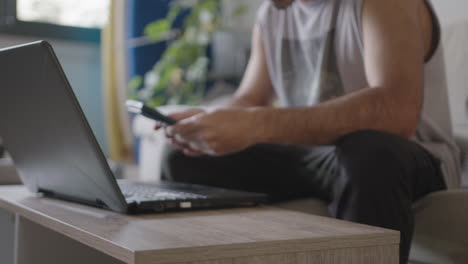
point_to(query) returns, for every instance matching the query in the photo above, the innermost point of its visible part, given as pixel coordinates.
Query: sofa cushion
(455, 41)
(441, 235)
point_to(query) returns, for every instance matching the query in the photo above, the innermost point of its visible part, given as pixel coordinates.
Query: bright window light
(75, 13)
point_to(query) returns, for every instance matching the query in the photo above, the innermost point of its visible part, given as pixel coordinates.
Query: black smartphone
(140, 108)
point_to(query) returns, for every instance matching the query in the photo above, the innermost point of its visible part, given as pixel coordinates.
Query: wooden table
(52, 231)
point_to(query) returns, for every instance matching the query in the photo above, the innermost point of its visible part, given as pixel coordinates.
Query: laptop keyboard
(143, 192)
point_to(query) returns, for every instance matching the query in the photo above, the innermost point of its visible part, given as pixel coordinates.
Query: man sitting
(363, 122)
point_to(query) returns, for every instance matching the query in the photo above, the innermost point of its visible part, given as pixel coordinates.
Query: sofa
(441, 228)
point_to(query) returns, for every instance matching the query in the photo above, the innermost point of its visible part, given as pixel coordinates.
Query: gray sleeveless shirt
(314, 52)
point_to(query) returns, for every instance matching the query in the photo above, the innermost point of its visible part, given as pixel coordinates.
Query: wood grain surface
(213, 236)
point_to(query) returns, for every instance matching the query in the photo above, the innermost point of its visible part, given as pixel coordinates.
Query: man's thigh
(290, 172)
(273, 169)
(378, 162)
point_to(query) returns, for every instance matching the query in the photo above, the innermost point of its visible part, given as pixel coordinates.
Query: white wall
(454, 19)
(81, 62)
(451, 11)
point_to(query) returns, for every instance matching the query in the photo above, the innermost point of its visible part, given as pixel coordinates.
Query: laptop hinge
(96, 203)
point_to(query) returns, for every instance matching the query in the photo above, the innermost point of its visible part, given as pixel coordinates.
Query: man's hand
(181, 115)
(215, 133)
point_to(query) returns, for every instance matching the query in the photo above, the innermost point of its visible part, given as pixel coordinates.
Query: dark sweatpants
(367, 177)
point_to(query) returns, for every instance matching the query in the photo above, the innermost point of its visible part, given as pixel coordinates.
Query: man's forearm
(325, 123)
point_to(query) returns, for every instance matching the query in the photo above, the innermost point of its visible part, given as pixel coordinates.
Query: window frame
(9, 24)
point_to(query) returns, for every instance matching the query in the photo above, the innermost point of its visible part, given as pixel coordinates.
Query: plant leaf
(239, 11)
(156, 101)
(157, 29)
(135, 83)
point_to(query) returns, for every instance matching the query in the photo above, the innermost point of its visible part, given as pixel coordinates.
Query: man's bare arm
(394, 61)
(256, 88)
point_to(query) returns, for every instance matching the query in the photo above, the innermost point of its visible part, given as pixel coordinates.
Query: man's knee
(370, 161)
(375, 187)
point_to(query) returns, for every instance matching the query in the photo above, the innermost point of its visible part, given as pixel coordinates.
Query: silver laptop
(56, 153)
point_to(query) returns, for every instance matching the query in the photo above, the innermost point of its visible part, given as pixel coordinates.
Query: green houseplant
(180, 76)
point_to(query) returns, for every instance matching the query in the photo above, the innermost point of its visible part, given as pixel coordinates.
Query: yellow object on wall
(115, 83)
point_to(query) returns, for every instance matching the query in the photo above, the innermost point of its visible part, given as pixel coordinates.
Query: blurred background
(179, 52)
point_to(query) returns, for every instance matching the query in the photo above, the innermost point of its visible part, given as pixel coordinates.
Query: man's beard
(282, 4)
